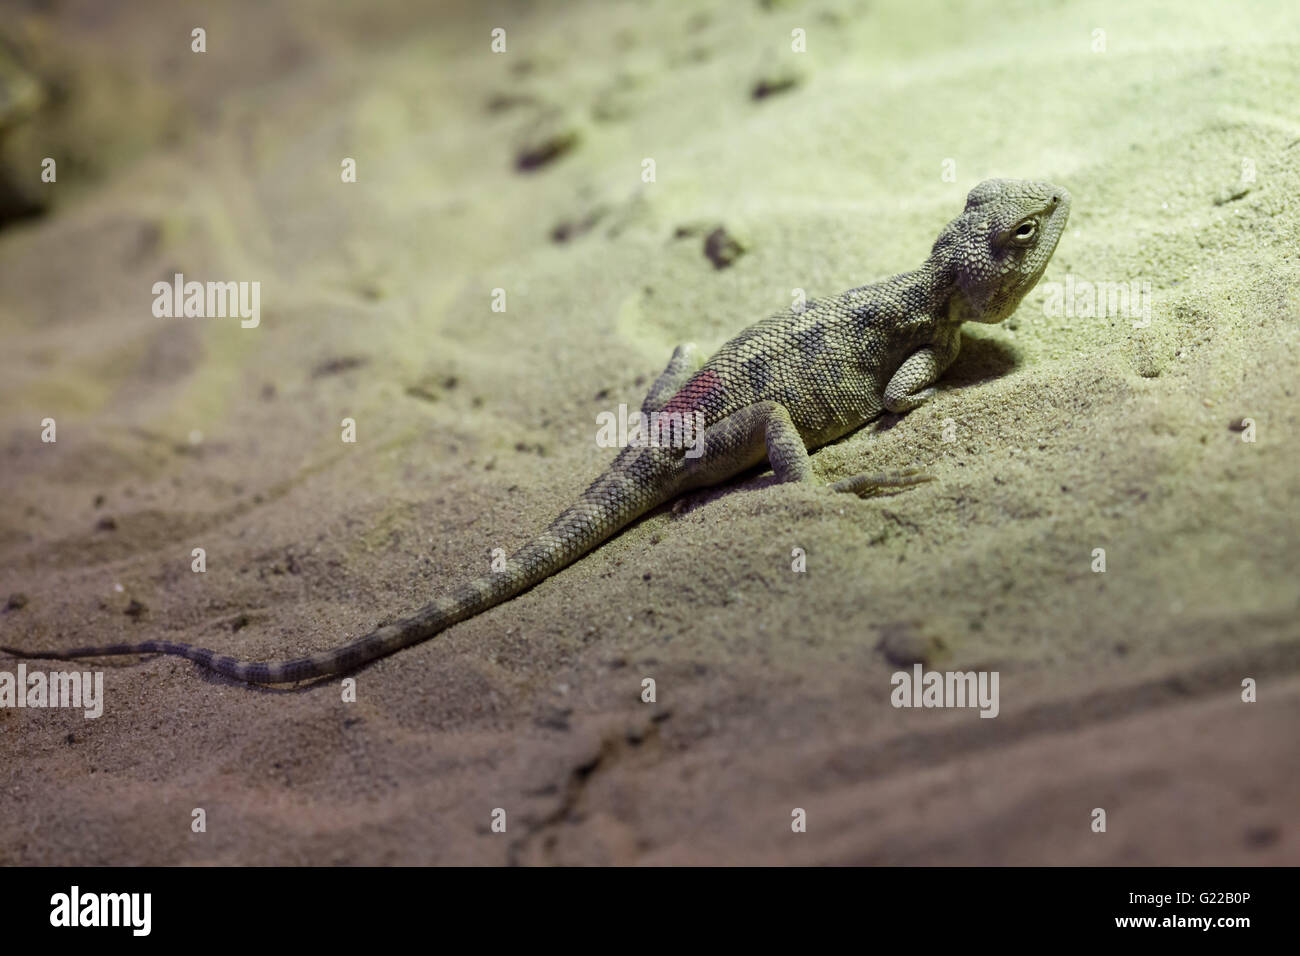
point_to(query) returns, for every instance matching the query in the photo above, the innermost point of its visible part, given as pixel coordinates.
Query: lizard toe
(868, 486)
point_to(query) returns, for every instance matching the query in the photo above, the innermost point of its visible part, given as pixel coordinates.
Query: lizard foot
(867, 486)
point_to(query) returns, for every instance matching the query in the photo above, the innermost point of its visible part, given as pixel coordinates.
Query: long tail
(615, 499)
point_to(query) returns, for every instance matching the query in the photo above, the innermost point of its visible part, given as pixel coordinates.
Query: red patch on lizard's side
(694, 393)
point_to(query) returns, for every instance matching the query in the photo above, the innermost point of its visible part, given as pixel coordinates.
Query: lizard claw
(868, 486)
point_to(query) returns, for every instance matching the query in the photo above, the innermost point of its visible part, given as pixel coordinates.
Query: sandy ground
(1119, 690)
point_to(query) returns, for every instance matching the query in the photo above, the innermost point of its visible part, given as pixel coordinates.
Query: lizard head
(998, 248)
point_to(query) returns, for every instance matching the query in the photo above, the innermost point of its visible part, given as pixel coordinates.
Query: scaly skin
(790, 383)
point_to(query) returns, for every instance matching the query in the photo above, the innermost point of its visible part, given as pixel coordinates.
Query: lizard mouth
(1055, 229)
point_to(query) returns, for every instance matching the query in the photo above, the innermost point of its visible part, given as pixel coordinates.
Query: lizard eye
(1025, 231)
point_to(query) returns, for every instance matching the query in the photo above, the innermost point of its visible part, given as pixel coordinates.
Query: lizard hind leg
(765, 429)
(686, 361)
(788, 456)
(745, 438)
(786, 452)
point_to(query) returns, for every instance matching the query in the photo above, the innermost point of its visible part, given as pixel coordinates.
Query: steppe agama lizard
(792, 382)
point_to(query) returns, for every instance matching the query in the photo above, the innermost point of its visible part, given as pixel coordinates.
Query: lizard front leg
(913, 383)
